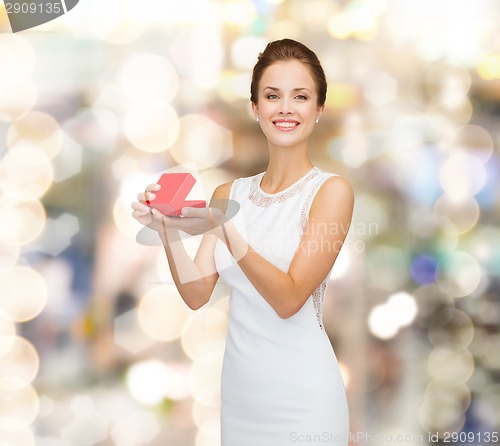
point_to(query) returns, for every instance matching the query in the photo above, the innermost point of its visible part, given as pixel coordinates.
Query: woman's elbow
(289, 310)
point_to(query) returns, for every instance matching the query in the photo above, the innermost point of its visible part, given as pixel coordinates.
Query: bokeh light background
(96, 345)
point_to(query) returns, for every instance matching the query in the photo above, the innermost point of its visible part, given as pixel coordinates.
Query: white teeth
(286, 124)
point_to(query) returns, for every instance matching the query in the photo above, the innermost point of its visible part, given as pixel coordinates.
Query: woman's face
(287, 103)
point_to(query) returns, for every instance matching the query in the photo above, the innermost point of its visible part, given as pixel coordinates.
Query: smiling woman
(280, 375)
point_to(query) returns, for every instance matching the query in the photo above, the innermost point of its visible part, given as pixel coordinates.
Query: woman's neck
(284, 169)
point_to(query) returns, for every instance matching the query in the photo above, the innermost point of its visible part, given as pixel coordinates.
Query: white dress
(281, 383)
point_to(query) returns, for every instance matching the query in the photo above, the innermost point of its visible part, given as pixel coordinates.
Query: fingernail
(185, 211)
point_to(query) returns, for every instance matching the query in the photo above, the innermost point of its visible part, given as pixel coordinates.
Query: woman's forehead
(287, 73)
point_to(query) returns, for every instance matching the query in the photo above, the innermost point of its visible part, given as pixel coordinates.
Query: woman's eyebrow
(295, 89)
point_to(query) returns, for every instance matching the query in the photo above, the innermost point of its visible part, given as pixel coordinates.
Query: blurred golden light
(450, 365)
(474, 140)
(24, 293)
(354, 22)
(18, 99)
(202, 141)
(441, 413)
(7, 334)
(151, 381)
(490, 356)
(204, 378)
(222, 303)
(204, 331)
(244, 51)
(115, 21)
(234, 86)
(20, 222)
(19, 366)
(152, 125)
(8, 256)
(136, 427)
(462, 212)
(148, 76)
(386, 319)
(122, 216)
(488, 403)
(208, 433)
(129, 335)
(18, 408)
(341, 96)
(162, 313)
(404, 305)
(239, 13)
(17, 58)
(380, 88)
(430, 298)
(447, 84)
(123, 166)
(387, 267)
(459, 274)
(489, 67)
(212, 178)
(313, 13)
(24, 437)
(146, 381)
(36, 129)
(451, 326)
(460, 393)
(25, 173)
(382, 322)
(435, 234)
(290, 28)
(198, 53)
(201, 412)
(370, 216)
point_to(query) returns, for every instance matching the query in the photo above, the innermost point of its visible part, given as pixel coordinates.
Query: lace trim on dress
(258, 198)
(318, 296)
(319, 293)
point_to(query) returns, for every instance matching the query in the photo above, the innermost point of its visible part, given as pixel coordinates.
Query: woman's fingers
(148, 195)
(145, 196)
(152, 187)
(141, 207)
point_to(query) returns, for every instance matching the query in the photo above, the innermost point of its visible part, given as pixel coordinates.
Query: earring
(317, 119)
(257, 118)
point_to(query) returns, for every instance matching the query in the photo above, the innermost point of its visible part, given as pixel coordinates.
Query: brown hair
(283, 50)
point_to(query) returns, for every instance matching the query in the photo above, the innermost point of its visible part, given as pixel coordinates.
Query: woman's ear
(255, 109)
(321, 109)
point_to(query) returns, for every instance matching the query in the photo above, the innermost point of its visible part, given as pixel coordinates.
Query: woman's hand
(142, 212)
(194, 221)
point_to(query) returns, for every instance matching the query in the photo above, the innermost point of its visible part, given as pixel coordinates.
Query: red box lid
(175, 187)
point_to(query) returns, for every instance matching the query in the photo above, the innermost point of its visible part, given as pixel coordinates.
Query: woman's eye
(272, 96)
(301, 97)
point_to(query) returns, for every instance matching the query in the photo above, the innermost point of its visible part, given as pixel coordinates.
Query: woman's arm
(195, 280)
(327, 226)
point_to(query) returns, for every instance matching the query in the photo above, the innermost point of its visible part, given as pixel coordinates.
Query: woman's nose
(286, 106)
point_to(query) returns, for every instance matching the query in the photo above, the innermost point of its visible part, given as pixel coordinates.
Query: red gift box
(175, 187)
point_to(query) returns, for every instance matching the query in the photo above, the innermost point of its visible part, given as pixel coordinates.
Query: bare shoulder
(334, 190)
(223, 190)
(220, 196)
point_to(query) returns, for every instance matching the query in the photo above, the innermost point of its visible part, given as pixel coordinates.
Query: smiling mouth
(286, 125)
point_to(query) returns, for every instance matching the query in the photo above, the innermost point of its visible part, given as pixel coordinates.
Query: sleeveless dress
(281, 383)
